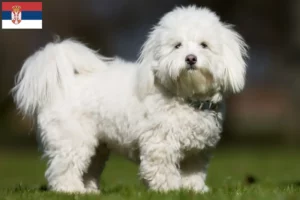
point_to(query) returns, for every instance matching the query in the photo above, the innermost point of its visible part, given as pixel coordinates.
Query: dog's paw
(205, 189)
(201, 188)
(92, 191)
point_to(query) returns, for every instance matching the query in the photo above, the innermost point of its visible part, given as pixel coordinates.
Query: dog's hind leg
(69, 147)
(91, 177)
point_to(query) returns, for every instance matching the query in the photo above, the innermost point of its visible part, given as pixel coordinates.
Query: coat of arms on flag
(22, 15)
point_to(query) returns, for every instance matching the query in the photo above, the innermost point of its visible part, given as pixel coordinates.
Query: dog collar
(203, 105)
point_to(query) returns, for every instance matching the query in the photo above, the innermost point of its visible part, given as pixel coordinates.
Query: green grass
(277, 171)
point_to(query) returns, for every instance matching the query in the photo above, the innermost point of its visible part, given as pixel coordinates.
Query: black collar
(203, 105)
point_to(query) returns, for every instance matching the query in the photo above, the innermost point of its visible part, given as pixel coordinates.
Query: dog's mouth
(197, 81)
(197, 72)
(191, 67)
(207, 74)
(189, 82)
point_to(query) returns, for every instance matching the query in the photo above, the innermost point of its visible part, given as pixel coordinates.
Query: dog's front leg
(193, 172)
(159, 163)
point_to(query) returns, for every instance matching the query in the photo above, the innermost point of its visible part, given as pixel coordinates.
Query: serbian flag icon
(22, 15)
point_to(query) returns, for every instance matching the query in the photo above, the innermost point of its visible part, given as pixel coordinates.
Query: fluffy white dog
(153, 111)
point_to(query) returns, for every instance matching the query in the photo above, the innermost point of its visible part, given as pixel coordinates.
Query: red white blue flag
(22, 15)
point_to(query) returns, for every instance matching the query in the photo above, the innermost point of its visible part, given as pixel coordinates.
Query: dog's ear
(234, 54)
(147, 63)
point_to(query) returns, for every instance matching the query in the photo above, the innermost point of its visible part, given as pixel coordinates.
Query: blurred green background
(261, 131)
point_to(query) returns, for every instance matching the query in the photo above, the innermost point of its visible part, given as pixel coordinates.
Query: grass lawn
(276, 171)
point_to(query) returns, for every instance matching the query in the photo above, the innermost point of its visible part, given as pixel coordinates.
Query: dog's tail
(50, 72)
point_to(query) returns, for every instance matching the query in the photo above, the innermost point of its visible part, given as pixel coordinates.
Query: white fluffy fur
(86, 105)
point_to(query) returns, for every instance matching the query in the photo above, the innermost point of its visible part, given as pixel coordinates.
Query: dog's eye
(178, 45)
(204, 45)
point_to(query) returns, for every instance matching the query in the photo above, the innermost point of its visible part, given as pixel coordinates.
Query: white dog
(153, 111)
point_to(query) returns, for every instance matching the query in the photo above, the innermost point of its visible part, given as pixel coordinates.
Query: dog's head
(190, 52)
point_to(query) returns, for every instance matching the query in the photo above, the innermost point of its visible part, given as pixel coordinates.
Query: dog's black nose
(191, 59)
